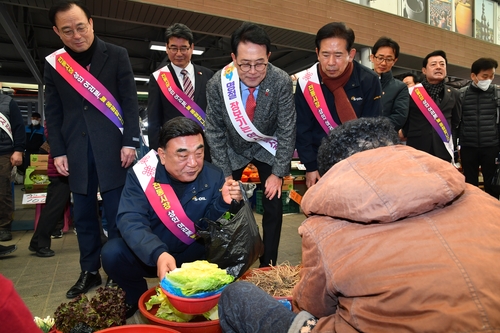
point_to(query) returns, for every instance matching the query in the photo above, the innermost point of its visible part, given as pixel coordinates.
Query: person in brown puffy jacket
(395, 241)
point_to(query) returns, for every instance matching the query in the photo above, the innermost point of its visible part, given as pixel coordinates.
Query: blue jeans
(245, 308)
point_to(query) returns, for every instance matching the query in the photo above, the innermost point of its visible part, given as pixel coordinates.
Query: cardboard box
(39, 165)
(39, 158)
(35, 180)
(287, 184)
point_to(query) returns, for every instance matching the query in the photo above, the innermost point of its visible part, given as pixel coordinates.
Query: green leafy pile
(106, 309)
(168, 312)
(198, 276)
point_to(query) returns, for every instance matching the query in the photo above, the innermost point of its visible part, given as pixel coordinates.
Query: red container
(138, 329)
(198, 325)
(192, 305)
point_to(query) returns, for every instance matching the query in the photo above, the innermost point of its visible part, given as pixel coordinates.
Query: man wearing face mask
(479, 128)
(34, 138)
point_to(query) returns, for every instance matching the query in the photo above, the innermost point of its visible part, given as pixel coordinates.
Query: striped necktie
(188, 86)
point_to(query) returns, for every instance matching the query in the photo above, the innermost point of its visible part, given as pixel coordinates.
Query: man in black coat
(92, 143)
(419, 131)
(180, 46)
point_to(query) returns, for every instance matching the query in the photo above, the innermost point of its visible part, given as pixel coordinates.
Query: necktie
(251, 104)
(188, 86)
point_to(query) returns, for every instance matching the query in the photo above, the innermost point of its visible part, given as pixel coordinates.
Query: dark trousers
(6, 205)
(272, 218)
(126, 269)
(58, 196)
(87, 221)
(472, 158)
(245, 308)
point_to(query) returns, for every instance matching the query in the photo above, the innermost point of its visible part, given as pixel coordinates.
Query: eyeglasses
(248, 67)
(183, 49)
(81, 30)
(381, 59)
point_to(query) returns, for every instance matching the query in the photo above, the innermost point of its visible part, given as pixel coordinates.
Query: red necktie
(251, 104)
(188, 86)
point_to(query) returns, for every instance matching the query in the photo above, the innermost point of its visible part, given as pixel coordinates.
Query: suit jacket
(274, 115)
(421, 135)
(74, 123)
(160, 110)
(363, 90)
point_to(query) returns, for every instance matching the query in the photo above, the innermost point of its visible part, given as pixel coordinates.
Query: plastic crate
(289, 206)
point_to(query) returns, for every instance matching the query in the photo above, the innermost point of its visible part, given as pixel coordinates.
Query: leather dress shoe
(111, 283)
(5, 235)
(86, 281)
(5, 250)
(131, 310)
(45, 252)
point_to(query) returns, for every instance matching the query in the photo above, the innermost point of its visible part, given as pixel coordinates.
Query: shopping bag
(233, 241)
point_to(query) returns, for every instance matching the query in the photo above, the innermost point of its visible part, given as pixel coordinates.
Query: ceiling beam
(14, 35)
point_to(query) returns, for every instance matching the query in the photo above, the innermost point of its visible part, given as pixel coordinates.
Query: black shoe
(131, 310)
(5, 235)
(5, 250)
(32, 248)
(86, 281)
(45, 252)
(57, 234)
(110, 283)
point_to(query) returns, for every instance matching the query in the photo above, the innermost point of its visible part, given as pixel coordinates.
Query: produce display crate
(289, 206)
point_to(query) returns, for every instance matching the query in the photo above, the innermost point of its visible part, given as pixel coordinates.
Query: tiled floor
(43, 282)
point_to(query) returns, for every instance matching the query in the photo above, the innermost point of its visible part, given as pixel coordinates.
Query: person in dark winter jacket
(34, 138)
(479, 127)
(12, 143)
(164, 196)
(395, 96)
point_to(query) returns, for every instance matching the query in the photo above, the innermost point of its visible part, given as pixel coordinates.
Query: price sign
(34, 198)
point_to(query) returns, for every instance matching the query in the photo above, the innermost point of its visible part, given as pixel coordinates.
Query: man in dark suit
(93, 136)
(180, 46)
(421, 133)
(251, 119)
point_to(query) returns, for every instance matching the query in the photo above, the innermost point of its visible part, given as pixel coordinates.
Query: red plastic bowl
(198, 325)
(192, 305)
(138, 329)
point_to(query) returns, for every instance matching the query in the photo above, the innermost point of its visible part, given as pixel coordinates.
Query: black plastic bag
(234, 242)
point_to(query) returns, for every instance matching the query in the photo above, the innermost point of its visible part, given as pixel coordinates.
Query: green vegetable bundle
(197, 277)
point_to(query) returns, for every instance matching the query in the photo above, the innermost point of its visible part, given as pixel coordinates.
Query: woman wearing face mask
(479, 127)
(34, 139)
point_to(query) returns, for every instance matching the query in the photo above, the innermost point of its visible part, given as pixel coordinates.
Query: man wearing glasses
(251, 119)
(93, 121)
(395, 97)
(332, 92)
(179, 87)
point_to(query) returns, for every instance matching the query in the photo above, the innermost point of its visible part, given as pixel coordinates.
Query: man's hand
(61, 164)
(165, 264)
(16, 159)
(311, 178)
(231, 190)
(127, 156)
(273, 186)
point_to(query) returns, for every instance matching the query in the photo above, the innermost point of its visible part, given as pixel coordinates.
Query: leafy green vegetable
(106, 309)
(168, 312)
(198, 276)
